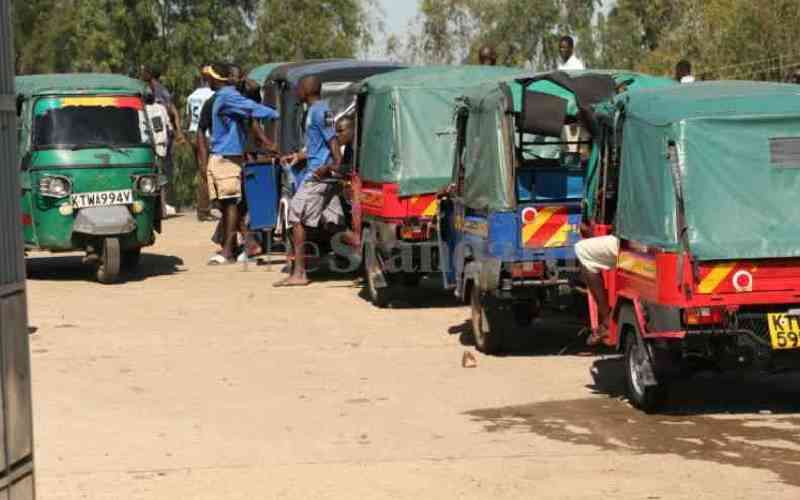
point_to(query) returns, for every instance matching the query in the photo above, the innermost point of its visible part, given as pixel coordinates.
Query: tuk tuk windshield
(74, 122)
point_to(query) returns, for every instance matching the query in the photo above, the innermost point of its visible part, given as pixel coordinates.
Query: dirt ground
(194, 382)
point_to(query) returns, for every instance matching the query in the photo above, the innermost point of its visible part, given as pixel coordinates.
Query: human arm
(236, 105)
(266, 142)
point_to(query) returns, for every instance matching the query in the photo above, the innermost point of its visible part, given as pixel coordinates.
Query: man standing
(568, 59)
(487, 56)
(150, 75)
(202, 130)
(683, 72)
(315, 205)
(230, 114)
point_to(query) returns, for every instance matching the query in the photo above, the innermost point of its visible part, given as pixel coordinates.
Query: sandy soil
(206, 383)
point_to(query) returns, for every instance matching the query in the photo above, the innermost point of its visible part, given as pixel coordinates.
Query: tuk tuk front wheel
(490, 322)
(638, 363)
(110, 260)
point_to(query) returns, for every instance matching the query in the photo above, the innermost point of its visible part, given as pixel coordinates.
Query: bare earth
(190, 382)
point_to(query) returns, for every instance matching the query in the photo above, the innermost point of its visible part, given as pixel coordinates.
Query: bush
(184, 182)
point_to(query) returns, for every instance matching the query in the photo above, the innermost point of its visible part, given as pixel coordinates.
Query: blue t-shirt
(229, 114)
(319, 132)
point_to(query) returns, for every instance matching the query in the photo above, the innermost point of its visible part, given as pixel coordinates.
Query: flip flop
(284, 283)
(219, 260)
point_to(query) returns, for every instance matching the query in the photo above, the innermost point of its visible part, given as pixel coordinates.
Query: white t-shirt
(159, 122)
(573, 63)
(194, 104)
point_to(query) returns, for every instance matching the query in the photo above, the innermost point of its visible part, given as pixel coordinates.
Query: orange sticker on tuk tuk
(547, 227)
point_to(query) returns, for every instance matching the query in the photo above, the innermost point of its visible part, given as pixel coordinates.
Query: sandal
(219, 260)
(598, 336)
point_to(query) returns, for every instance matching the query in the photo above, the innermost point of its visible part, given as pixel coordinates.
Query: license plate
(102, 199)
(784, 331)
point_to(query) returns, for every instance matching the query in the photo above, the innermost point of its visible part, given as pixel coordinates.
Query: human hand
(290, 160)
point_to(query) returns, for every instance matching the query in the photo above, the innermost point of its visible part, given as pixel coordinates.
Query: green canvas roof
(260, 73)
(408, 135)
(735, 162)
(437, 77)
(77, 83)
(488, 169)
(706, 99)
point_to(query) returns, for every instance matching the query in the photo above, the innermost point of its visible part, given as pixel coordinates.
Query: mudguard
(472, 272)
(104, 221)
(490, 274)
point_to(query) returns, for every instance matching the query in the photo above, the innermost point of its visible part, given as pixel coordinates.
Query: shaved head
(310, 86)
(487, 56)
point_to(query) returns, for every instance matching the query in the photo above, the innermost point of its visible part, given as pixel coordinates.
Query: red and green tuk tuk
(699, 183)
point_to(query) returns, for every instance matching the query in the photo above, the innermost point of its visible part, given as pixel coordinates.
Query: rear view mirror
(543, 114)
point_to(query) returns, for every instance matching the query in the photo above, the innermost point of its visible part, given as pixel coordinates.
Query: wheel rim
(636, 366)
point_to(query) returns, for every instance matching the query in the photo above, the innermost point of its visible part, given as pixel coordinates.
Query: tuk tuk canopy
(407, 134)
(728, 153)
(260, 73)
(280, 88)
(490, 131)
(77, 83)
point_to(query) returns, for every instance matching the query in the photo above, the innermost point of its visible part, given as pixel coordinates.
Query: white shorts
(598, 254)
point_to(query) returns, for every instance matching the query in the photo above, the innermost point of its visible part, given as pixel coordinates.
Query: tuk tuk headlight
(147, 185)
(55, 186)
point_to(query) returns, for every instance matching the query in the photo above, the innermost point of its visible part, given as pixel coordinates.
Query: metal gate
(16, 426)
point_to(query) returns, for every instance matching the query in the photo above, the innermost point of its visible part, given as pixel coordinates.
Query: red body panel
(668, 279)
(383, 201)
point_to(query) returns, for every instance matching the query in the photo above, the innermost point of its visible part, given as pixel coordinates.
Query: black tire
(491, 322)
(646, 398)
(110, 262)
(379, 296)
(131, 259)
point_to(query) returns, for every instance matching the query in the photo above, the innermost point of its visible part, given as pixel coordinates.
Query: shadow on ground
(740, 420)
(71, 268)
(557, 333)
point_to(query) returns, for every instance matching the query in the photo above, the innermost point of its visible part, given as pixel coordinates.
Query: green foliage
(731, 39)
(119, 36)
(522, 32)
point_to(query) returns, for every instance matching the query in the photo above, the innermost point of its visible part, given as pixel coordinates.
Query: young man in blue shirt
(230, 115)
(316, 203)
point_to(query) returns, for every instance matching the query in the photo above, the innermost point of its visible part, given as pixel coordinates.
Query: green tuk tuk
(88, 172)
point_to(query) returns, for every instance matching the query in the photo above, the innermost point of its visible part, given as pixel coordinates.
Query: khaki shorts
(224, 178)
(598, 254)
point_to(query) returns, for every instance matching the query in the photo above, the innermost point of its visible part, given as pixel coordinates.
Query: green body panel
(739, 201)
(53, 231)
(89, 170)
(407, 130)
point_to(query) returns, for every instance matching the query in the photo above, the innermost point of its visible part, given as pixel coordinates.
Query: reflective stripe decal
(549, 229)
(715, 278)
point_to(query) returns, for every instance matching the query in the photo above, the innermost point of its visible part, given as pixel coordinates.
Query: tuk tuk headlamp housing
(55, 186)
(147, 185)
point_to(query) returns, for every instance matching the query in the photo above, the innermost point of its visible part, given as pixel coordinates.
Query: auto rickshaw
(509, 223)
(404, 143)
(88, 172)
(279, 90)
(699, 182)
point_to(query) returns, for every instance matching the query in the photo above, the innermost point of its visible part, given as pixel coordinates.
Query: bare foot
(292, 281)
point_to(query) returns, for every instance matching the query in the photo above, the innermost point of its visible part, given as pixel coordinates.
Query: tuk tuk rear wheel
(110, 260)
(646, 398)
(490, 322)
(131, 258)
